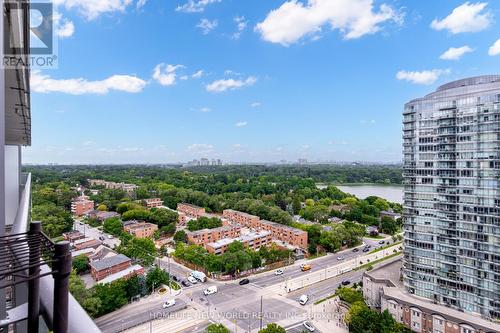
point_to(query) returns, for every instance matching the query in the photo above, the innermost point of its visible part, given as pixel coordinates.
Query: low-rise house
(153, 202)
(123, 274)
(101, 252)
(284, 233)
(86, 252)
(103, 268)
(140, 229)
(245, 219)
(372, 230)
(85, 243)
(390, 214)
(72, 236)
(101, 216)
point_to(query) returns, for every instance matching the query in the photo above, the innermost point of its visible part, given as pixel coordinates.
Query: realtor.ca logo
(29, 36)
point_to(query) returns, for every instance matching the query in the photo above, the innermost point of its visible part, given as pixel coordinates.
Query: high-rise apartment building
(452, 195)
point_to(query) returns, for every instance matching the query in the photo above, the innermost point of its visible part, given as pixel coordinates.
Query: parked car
(303, 299)
(355, 249)
(340, 258)
(308, 326)
(185, 283)
(382, 242)
(110, 236)
(174, 278)
(169, 303)
(192, 280)
(101, 238)
(346, 282)
(279, 272)
(210, 290)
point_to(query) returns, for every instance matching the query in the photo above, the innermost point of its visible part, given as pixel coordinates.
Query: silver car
(309, 326)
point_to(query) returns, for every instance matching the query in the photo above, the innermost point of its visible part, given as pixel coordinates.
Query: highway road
(138, 313)
(331, 259)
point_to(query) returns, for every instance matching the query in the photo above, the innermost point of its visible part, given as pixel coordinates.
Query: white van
(210, 290)
(303, 299)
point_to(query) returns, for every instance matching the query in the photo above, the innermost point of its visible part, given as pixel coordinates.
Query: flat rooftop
(390, 271)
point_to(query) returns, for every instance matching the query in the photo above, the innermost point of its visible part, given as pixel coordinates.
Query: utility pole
(261, 314)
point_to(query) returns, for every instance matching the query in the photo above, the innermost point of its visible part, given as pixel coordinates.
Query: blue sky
(162, 81)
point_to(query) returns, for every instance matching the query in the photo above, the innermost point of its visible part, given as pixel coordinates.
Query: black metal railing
(21, 257)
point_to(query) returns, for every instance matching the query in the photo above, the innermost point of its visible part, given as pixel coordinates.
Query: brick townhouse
(81, 205)
(140, 229)
(292, 236)
(253, 240)
(191, 210)
(105, 267)
(153, 202)
(86, 243)
(245, 219)
(205, 236)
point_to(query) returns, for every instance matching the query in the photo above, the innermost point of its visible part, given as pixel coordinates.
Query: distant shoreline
(358, 184)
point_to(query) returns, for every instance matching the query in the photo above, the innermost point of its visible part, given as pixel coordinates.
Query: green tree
(349, 295)
(80, 263)
(296, 205)
(102, 207)
(180, 236)
(388, 225)
(155, 278)
(272, 328)
(216, 328)
(112, 295)
(113, 226)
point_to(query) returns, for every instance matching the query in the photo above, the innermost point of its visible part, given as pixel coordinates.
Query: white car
(279, 272)
(210, 290)
(192, 280)
(340, 258)
(169, 303)
(303, 299)
(110, 236)
(309, 326)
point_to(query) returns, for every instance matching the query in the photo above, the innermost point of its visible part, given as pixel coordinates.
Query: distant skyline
(152, 81)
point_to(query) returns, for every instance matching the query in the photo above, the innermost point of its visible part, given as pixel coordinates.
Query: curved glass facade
(451, 149)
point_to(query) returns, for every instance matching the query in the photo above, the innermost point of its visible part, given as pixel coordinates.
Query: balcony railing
(45, 274)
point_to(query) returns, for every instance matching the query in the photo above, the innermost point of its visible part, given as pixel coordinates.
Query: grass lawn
(371, 263)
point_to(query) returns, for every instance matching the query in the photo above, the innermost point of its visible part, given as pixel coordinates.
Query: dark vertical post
(261, 313)
(62, 269)
(34, 270)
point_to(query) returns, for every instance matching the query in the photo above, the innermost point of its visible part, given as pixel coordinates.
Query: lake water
(393, 193)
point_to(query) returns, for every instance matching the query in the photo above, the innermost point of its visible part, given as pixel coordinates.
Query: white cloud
(141, 3)
(184, 77)
(230, 84)
(200, 148)
(205, 109)
(455, 53)
(241, 25)
(255, 104)
(197, 75)
(494, 49)
(468, 17)
(354, 18)
(241, 124)
(165, 74)
(206, 25)
(92, 9)
(195, 6)
(423, 77)
(45, 84)
(64, 27)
